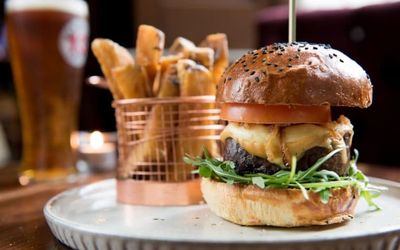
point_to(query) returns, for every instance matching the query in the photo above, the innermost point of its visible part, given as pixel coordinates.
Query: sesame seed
(264, 52)
(246, 70)
(306, 48)
(290, 59)
(279, 54)
(341, 60)
(309, 63)
(330, 56)
(269, 64)
(225, 80)
(289, 65)
(315, 47)
(298, 50)
(257, 79)
(297, 56)
(229, 78)
(275, 65)
(334, 55)
(252, 73)
(280, 70)
(271, 51)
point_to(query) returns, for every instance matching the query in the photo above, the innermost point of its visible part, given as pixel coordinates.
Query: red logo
(73, 41)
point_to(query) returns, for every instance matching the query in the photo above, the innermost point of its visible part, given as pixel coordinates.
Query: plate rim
(77, 227)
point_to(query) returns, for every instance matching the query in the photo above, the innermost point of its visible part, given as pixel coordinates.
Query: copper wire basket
(154, 134)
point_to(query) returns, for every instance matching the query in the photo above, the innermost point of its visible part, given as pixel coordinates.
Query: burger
(285, 162)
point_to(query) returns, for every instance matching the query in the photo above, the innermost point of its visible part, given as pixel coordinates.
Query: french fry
(131, 81)
(149, 45)
(219, 43)
(180, 45)
(169, 82)
(110, 55)
(195, 80)
(149, 48)
(160, 124)
(165, 63)
(204, 56)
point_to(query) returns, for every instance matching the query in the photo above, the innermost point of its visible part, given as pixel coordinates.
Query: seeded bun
(297, 73)
(250, 205)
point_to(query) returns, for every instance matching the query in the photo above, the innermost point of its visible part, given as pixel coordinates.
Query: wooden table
(22, 224)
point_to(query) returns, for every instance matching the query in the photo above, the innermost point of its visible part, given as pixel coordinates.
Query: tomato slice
(275, 114)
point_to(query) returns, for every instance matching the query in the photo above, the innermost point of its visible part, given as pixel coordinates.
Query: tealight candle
(97, 154)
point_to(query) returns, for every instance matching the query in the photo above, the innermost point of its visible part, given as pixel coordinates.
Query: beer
(48, 45)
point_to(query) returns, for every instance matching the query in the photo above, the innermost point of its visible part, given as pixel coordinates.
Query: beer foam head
(75, 7)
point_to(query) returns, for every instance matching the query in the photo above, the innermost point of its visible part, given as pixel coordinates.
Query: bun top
(296, 73)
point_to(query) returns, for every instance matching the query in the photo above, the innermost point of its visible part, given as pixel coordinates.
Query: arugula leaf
(230, 182)
(318, 163)
(312, 179)
(369, 198)
(329, 184)
(205, 171)
(258, 181)
(303, 190)
(325, 174)
(292, 170)
(324, 195)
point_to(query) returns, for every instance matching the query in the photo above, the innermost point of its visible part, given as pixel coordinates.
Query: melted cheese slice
(258, 140)
(278, 144)
(297, 139)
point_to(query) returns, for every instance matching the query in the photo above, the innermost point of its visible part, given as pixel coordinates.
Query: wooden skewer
(292, 21)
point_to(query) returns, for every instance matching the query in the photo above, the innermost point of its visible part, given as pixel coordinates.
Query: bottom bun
(282, 207)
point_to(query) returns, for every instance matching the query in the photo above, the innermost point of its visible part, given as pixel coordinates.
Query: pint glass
(48, 48)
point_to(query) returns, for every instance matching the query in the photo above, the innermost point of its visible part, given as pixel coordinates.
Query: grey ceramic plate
(89, 218)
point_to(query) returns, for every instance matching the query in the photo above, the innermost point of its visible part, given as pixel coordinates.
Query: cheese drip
(278, 144)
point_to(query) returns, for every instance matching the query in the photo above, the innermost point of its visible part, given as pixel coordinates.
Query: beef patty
(246, 163)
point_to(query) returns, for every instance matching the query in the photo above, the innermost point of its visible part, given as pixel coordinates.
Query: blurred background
(366, 30)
